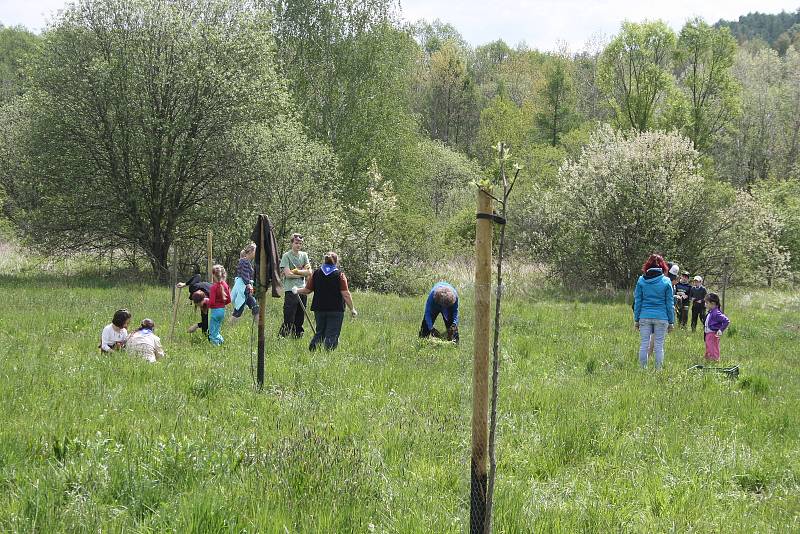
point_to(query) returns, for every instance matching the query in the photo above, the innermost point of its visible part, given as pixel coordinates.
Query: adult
(331, 294)
(295, 268)
(442, 299)
(653, 308)
(198, 293)
(144, 343)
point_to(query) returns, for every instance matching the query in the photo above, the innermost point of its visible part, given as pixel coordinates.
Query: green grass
(375, 436)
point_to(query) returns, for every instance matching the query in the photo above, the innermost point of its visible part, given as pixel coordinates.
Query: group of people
(664, 292)
(143, 342)
(328, 284)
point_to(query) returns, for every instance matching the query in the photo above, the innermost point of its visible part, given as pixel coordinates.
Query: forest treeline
(132, 127)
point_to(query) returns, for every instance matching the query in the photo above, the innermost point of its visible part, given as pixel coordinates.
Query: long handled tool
(310, 322)
(174, 313)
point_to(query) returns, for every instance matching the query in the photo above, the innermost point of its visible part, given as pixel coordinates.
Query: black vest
(327, 292)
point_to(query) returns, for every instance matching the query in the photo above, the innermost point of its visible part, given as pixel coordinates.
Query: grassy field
(375, 436)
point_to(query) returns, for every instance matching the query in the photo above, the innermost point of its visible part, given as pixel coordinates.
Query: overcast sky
(540, 23)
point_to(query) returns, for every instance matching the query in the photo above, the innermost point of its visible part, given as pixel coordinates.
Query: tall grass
(375, 436)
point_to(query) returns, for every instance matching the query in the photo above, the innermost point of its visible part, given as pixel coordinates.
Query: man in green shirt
(294, 267)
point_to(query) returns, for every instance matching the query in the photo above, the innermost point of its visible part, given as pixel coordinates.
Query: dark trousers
(329, 326)
(203, 324)
(698, 311)
(683, 315)
(452, 330)
(249, 302)
(293, 315)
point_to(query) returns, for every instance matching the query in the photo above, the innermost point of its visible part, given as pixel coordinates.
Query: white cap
(675, 270)
(698, 278)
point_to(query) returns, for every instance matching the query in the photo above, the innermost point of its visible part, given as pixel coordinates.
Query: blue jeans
(329, 326)
(216, 316)
(658, 328)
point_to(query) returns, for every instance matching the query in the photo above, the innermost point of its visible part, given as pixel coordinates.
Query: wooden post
(174, 277)
(210, 252)
(262, 305)
(480, 370)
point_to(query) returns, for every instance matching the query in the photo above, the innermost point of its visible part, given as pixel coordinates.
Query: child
(115, 333)
(716, 323)
(145, 343)
(242, 292)
(198, 293)
(697, 296)
(682, 299)
(219, 296)
(200, 299)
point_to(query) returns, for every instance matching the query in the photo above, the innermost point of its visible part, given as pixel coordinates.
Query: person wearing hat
(697, 296)
(682, 298)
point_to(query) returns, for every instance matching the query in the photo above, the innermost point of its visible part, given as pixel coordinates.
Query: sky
(541, 24)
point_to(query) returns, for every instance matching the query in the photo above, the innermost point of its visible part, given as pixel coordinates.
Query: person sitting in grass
(115, 333)
(442, 298)
(144, 343)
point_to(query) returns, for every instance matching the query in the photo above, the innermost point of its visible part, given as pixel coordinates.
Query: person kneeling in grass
(115, 333)
(331, 293)
(443, 299)
(145, 343)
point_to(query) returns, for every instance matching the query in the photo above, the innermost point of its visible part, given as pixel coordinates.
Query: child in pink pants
(716, 323)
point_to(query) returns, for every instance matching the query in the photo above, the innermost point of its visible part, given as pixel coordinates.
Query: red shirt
(219, 295)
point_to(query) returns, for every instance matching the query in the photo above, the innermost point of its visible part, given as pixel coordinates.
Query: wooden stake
(262, 306)
(480, 370)
(210, 253)
(174, 313)
(174, 277)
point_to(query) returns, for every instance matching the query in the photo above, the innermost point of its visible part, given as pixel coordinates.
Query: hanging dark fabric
(264, 237)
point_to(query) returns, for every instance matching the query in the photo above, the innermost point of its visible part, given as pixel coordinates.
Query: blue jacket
(432, 308)
(653, 297)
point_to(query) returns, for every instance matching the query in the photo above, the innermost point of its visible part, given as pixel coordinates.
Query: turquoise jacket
(653, 298)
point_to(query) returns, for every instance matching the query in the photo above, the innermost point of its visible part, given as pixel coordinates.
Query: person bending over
(442, 299)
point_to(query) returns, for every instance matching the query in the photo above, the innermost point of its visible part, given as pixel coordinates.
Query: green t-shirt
(290, 260)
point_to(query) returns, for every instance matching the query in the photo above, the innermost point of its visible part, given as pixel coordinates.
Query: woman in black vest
(331, 293)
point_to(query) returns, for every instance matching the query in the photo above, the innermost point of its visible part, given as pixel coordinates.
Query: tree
(501, 120)
(16, 47)
(623, 198)
(135, 108)
(746, 152)
(351, 68)
(556, 113)
(704, 57)
(451, 96)
(635, 72)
